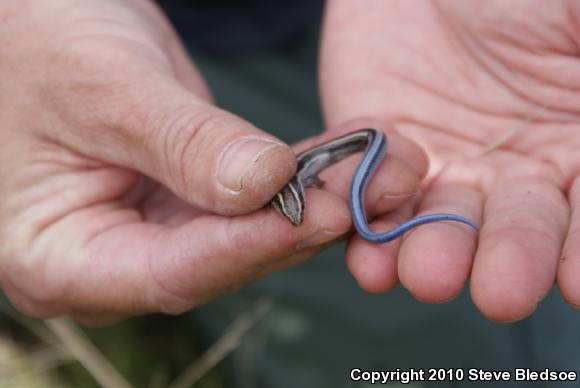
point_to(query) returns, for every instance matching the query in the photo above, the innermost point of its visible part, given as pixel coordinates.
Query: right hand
(119, 177)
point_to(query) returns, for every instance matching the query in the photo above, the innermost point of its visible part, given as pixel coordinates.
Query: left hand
(456, 76)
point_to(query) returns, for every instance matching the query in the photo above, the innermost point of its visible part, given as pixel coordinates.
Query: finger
(399, 146)
(208, 157)
(138, 268)
(435, 259)
(519, 248)
(393, 183)
(374, 266)
(569, 267)
(27, 305)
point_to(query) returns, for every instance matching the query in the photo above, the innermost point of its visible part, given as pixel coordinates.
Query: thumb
(209, 157)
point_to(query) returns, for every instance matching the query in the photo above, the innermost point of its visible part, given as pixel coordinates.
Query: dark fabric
(230, 26)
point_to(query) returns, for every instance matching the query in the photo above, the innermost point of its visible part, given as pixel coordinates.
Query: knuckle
(566, 279)
(176, 306)
(185, 137)
(27, 278)
(188, 282)
(41, 295)
(29, 306)
(181, 135)
(252, 266)
(169, 302)
(572, 298)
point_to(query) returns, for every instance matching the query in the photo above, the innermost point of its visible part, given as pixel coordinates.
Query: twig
(229, 341)
(35, 371)
(26, 365)
(76, 342)
(513, 131)
(50, 357)
(34, 326)
(528, 119)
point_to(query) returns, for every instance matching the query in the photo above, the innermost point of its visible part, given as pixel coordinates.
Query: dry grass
(154, 352)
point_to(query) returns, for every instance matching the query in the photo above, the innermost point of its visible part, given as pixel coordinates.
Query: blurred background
(303, 327)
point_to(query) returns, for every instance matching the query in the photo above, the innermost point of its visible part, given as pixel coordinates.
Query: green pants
(322, 324)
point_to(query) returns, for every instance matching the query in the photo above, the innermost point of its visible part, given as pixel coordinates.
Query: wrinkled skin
(110, 202)
(490, 90)
(113, 201)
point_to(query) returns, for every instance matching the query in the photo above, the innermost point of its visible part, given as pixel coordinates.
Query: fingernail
(318, 238)
(238, 158)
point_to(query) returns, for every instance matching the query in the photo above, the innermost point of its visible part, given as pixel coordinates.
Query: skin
(455, 76)
(111, 197)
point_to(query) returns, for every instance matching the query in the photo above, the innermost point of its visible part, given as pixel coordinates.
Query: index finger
(136, 268)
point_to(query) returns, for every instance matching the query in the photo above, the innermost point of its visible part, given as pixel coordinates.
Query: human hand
(119, 177)
(456, 77)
